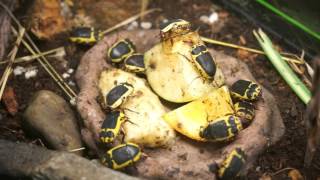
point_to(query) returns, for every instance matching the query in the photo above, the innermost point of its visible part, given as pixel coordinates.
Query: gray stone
(50, 117)
(21, 160)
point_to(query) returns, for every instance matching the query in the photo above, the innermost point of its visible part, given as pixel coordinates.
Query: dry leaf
(46, 19)
(295, 175)
(9, 100)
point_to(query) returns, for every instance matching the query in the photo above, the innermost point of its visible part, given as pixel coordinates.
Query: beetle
(222, 129)
(122, 156)
(232, 164)
(85, 35)
(111, 126)
(245, 90)
(120, 50)
(134, 63)
(118, 94)
(174, 28)
(203, 61)
(244, 110)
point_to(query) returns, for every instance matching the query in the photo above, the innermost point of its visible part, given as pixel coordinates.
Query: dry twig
(8, 69)
(33, 57)
(212, 41)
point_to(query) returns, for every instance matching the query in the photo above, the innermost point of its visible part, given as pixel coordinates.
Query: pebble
(18, 70)
(30, 73)
(212, 18)
(146, 25)
(71, 83)
(258, 168)
(165, 20)
(50, 117)
(204, 18)
(133, 25)
(70, 71)
(65, 75)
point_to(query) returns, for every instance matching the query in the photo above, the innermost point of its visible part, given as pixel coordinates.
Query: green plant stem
(282, 67)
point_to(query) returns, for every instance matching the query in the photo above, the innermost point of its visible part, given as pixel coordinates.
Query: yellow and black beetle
(111, 126)
(174, 28)
(245, 90)
(85, 35)
(118, 94)
(120, 50)
(203, 61)
(222, 129)
(232, 164)
(244, 110)
(134, 63)
(122, 156)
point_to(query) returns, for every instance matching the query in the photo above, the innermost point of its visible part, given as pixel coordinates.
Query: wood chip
(295, 175)
(10, 101)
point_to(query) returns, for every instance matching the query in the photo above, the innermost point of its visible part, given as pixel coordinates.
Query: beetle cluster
(125, 51)
(243, 92)
(225, 128)
(122, 155)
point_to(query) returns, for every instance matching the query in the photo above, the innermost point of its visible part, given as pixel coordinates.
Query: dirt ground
(287, 153)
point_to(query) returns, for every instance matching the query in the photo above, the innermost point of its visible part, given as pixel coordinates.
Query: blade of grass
(282, 67)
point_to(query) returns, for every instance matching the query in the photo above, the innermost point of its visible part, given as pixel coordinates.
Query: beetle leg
(130, 110)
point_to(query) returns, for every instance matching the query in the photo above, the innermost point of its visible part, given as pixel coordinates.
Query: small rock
(30, 73)
(165, 20)
(204, 19)
(71, 83)
(213, 17)
(65, 75)
(210, 19)
(49, 116)
(133, 25)
(146, 25)
(258, 168)
(70, 71)
(19, 70)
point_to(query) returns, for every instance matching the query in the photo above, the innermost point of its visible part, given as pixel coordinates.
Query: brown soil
(288, 152)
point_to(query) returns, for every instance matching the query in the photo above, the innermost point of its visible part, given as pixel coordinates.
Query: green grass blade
(282, 67)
